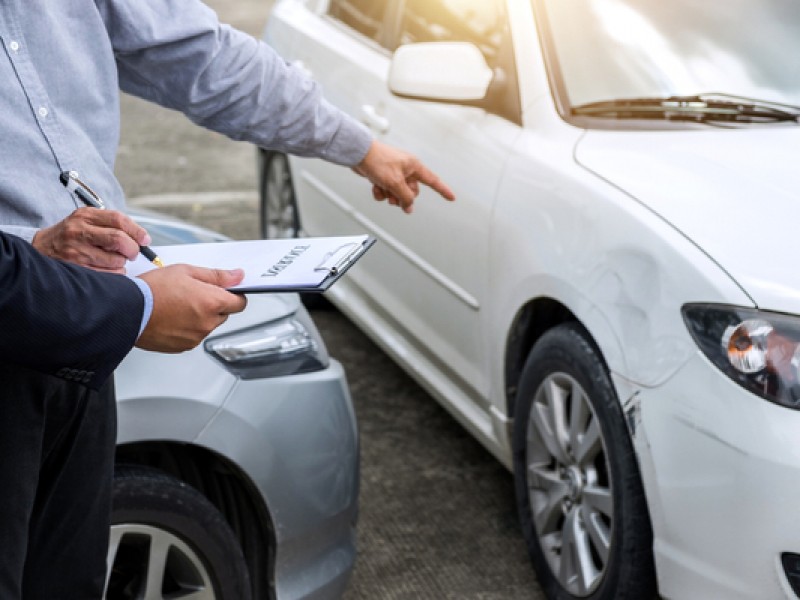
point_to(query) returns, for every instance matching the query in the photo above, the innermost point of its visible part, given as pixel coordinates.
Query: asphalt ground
(438, 518)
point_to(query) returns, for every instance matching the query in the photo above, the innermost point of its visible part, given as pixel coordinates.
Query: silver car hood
(733, 192)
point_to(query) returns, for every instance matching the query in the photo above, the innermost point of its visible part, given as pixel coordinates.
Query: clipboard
(307, 265)
(334, 264)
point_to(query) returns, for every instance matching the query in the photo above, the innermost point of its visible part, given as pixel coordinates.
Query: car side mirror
(440, 72)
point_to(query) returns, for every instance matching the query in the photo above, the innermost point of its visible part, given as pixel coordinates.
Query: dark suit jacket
(62, 319)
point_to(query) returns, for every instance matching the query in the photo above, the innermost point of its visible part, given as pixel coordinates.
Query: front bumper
(722, 474)
(299, 445)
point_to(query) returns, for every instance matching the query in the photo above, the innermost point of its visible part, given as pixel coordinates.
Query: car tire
(168, 540)
(278, 204)
(579, 494)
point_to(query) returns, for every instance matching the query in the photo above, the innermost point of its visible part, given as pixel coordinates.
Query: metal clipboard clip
(336, 260)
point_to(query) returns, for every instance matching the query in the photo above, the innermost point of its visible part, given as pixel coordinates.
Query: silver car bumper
(298, 443)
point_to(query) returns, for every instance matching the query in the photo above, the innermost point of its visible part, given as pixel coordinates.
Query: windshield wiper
(702, 108)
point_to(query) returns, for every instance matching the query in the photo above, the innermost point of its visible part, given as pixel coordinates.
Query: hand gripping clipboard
(308, 265)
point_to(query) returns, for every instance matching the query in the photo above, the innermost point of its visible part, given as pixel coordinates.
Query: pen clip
(73, 183)
(335, 260)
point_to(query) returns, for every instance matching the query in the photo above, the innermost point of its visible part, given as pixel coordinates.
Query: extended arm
(177, 54)
(180, 56)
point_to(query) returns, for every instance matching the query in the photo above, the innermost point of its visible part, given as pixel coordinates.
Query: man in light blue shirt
(65, 62)
(62, 65)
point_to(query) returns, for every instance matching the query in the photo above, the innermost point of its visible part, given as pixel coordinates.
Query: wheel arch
(531, 322)
(227, 487)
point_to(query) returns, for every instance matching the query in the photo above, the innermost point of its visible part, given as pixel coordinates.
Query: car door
(428, 275)
(440, 255)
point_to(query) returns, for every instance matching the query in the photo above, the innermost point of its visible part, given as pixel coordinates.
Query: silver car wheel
(279, 207)
(169, 567)
(569, 485)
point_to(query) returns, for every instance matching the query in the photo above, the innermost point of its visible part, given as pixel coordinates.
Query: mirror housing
(440, 72)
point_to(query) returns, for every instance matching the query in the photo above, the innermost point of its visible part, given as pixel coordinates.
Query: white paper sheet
(269, 265)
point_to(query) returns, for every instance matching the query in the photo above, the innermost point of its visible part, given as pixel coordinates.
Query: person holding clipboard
(62, 66)
(65, 328)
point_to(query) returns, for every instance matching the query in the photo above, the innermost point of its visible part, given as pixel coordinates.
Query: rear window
(365, 16)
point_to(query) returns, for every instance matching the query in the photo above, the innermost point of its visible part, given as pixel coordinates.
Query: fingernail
(147, 240)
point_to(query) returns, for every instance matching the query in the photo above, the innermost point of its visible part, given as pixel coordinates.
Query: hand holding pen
(99, 239)
(89, 197)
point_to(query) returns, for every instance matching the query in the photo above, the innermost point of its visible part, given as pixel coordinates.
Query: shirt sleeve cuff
(349, 144)
(148, 301)
(26, 233)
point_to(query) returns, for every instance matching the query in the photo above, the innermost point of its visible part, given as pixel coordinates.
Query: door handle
(373, 119)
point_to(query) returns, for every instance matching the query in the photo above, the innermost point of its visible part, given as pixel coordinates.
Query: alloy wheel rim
(569, 484)
(153, 564)
(280, 208)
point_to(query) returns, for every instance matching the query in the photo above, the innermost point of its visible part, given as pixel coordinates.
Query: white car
(236, 474)
(612, 305)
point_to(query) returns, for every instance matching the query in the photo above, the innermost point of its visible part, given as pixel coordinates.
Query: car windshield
(609, 50)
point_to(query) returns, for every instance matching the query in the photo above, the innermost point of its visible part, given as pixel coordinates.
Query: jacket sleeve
(177, 54)
(62, 319)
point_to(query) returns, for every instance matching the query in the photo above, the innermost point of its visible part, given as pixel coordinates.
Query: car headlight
(287, 346)
(759, 350)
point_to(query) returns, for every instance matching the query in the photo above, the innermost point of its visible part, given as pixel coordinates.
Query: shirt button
(14, 46)
(43, 112)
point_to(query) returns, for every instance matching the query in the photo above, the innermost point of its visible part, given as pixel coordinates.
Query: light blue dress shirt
(63, 63)
(148, 301)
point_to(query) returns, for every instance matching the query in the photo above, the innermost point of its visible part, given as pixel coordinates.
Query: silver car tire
(168, 541)
(579, 494)
(278, 204)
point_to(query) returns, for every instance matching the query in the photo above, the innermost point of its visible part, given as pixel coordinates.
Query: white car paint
(732, 192)
(622, 227)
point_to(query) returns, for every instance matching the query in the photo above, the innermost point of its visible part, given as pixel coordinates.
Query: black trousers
(56, 468)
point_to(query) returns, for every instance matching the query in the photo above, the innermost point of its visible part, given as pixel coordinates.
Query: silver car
(237, 462)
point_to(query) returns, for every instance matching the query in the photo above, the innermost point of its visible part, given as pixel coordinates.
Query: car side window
(482, 22)
(365, 16)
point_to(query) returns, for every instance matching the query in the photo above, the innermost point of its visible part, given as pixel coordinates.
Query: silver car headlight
(286, 346)
(759, 350)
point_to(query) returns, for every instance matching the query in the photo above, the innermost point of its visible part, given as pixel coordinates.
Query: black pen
(90, 198)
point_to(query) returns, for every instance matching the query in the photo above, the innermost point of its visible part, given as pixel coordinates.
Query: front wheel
(580, 498)
(168, 541)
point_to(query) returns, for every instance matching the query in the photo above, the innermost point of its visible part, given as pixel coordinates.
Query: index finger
(116, 220)
(231, 303)
(426, 176)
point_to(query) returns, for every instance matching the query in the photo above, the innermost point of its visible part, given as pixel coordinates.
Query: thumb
(218, 277)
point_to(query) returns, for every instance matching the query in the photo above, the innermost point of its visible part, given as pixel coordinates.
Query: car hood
(732, 192)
